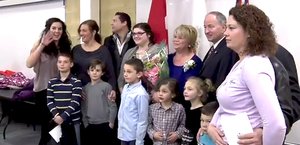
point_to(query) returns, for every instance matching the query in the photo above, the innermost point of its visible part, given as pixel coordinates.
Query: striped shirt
(64, 97)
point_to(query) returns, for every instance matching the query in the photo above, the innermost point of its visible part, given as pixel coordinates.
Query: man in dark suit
(219, 59)
(121, 40)
(287, 59)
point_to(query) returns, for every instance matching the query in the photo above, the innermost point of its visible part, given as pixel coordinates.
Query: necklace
(143, 55)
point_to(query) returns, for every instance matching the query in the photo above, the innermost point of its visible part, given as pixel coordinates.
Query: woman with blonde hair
(184, 63)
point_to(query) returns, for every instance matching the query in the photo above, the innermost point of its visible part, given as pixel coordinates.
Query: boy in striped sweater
(63, 101)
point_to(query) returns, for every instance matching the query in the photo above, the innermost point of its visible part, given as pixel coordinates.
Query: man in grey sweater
(98, 112)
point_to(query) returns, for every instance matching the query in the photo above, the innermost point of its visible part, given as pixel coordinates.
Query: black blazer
(287, 59)
(111, 44)
(283, 91)
(218, 65)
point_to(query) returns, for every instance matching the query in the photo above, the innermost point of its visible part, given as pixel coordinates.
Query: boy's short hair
(66, 54)
(210, 108)
(95, 62)
(137, 64)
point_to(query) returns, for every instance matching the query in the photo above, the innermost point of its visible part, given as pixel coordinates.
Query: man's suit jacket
(117, 58)
(217, 66)
(287, 59)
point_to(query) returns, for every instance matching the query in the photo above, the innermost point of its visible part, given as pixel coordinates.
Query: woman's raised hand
(47, 38)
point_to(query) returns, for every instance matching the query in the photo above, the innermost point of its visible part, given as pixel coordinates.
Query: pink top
(249, 88)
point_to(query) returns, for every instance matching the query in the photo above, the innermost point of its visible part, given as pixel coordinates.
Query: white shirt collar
(216, 44)
(119, 44)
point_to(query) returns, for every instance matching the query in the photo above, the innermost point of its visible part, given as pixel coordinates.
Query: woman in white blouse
(249, 87)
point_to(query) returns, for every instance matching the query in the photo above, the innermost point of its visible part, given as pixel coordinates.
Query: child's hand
(112, 96)
(158, 136)
(111, 125)
(58, 120)
(200, 132)
(172, 137)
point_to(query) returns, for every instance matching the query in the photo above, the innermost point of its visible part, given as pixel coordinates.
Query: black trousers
(68, 134)
(128, 142)
(44, 116)
(97, 134)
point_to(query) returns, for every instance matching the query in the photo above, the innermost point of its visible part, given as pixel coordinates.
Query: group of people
(97, 93)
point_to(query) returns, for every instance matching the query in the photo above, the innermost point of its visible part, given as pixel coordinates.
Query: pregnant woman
(250, 85)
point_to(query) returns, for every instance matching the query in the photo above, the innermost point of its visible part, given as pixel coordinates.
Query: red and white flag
(157, 20)
(164, 16)
(242, 2)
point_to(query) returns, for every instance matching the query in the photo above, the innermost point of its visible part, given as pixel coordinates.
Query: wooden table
(7, 100)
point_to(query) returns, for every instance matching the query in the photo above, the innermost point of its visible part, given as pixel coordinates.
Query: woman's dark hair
(64, 43)
(96, 62)
(147, 28)
(261, 39)
(172, 83)
(93, 26)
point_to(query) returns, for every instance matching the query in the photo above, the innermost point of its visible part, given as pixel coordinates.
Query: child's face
(205, 120)
(190, 91)
(165, 94)
(95, 73)
(64, 64)
(131, 76)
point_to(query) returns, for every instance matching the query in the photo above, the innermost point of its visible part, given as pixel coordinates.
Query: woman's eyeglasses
(137, 34)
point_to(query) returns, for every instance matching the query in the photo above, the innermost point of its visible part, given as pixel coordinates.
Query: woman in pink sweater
(249, 87)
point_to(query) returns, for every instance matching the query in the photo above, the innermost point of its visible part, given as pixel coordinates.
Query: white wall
(89, 9)
(17, 2)
(20, 27)
(283, 14)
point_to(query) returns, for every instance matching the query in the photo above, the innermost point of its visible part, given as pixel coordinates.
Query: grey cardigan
(130, 54)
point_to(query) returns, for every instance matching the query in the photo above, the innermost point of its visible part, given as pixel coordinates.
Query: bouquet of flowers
(156, 66)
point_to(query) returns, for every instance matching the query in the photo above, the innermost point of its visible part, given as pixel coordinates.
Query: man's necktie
(211, 50)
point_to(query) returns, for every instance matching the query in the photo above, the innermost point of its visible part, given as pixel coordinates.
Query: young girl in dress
(196, 91)
(166, 118)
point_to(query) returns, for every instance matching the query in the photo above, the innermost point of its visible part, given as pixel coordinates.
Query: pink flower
(152, 75)
(154, 80)
(155, 70)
